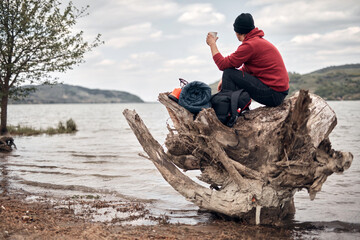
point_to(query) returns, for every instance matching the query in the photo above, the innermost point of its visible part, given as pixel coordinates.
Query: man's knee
(229, 72)
(229, 79)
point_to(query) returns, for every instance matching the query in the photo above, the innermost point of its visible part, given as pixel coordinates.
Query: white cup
(214, 34)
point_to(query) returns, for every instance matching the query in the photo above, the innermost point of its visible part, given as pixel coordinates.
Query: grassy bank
(68, 127)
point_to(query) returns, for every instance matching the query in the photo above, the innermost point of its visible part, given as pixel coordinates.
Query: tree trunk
(254, 168)
(4, 104)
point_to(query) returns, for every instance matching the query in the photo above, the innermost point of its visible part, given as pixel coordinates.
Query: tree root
(253, 169)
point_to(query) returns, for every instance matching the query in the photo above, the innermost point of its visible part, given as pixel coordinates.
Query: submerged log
(254, 168)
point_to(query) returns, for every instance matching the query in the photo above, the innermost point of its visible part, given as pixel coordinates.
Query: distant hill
(64, 93)
(331, 83)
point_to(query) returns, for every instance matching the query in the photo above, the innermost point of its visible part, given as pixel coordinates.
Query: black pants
(234, 79)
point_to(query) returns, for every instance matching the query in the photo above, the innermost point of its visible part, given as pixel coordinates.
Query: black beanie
(244, 23)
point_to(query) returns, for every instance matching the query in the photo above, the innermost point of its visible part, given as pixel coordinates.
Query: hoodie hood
(254, 33)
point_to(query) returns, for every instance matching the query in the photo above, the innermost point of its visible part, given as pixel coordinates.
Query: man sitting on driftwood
(254, 175)
(262, 71)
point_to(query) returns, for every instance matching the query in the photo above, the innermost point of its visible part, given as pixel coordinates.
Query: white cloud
(119, 42)
(189, 61)
(333, 45)
(128, 65)
(136, 29)
(346, 51)
(133, 34)
(201, 15)
(144, 56)
(314, 51)
(146, 7)
(106, 62)
(110, 14)
(140, 61)
(343, 36)
(191, 64)
(307, 16)
(265, 2)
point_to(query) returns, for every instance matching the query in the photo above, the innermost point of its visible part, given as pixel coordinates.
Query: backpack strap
(234, 106)
(234, 101)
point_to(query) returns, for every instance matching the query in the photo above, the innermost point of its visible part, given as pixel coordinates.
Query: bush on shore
(18, 130)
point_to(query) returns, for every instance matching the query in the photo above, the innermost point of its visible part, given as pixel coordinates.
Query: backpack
(229, 104)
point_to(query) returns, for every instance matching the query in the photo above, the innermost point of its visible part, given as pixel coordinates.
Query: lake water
(102, 159)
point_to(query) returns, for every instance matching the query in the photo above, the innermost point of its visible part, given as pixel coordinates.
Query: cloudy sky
(149, 44)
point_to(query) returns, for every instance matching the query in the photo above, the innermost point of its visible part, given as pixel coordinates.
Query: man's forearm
(214, 49)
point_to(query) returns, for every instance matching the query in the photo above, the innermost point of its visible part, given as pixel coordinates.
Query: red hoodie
(259, 58)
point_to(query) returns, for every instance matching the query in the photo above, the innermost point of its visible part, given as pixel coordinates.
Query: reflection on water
(102, 158)
(339, 199)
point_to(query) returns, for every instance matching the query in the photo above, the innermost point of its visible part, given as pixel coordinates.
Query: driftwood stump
(254, 168)
(6, 144)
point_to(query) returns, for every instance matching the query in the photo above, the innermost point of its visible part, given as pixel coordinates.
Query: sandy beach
(37, 220)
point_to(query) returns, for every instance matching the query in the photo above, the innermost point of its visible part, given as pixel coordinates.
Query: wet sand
(20, 219)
